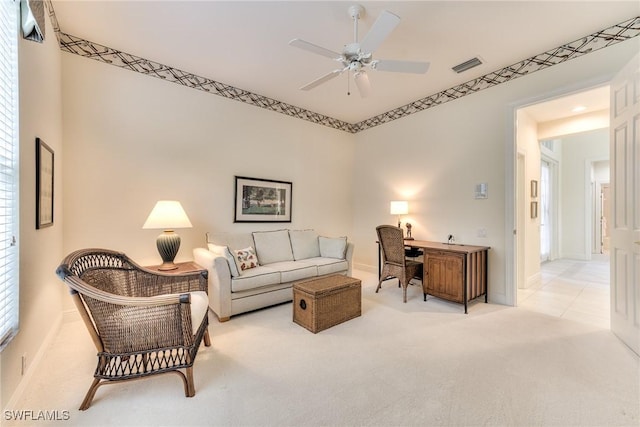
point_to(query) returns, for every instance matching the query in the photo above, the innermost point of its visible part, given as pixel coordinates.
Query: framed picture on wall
(534, 188)
(44, 184)
(534, 209)
(262, 200)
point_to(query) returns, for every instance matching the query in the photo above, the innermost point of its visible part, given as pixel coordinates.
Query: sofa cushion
(294, 270)
(199, 307)
(333, 247)
(255, 278)
(304, 244)
(273, 246)
(225, 252)
(232, 240)
(245, 259)
(328, 265)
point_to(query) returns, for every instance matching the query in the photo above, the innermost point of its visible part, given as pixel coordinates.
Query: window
(8, 171)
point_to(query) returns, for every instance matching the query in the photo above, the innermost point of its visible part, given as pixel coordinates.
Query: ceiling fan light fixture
(356, 56)
(467, 65)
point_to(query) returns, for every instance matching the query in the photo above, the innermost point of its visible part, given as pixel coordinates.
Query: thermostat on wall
(482, 191)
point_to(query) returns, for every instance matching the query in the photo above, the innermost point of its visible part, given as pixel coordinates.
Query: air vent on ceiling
(466, 65)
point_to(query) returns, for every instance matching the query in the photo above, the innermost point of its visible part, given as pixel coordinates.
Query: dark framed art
(262, 200)
(44, 184)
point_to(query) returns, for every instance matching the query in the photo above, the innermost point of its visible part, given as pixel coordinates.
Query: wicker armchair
(394, 262)
(140, 321)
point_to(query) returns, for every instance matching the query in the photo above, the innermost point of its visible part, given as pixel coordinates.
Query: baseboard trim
(534, 280)
(69, 316)
(35, 362)
(365, 267)
(577, 256)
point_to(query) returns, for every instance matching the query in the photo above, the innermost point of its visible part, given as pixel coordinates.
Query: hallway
(572, 289)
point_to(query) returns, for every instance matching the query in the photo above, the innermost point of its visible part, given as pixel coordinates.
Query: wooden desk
(453, 272)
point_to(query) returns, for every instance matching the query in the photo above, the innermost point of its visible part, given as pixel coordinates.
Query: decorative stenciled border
(107, 55)
(607, 37)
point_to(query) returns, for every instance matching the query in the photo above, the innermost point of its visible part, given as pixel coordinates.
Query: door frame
(521, 167)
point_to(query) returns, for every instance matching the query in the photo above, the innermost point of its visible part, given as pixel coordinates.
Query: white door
(625, 213)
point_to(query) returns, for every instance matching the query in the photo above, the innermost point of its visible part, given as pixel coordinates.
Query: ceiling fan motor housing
(356, 11)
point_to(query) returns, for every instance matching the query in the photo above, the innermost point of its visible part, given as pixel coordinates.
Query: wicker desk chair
(394, 262)
(140, 321)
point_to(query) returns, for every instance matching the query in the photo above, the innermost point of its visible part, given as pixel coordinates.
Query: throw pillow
(246, 259)
(272, 246)
(226, 252)
(335, 247)
(304, 244)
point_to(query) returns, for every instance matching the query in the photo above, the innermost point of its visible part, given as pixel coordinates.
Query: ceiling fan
(356, 57)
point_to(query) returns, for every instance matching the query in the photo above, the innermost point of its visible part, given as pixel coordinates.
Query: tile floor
(571, 289)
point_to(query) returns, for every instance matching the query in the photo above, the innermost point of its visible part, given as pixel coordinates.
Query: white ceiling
(590, 101)
(245, 44)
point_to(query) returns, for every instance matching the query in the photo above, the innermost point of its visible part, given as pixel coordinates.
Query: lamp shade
(167, 215)
(400, 207)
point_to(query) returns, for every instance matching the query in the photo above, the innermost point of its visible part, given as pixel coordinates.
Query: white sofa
(237, 283)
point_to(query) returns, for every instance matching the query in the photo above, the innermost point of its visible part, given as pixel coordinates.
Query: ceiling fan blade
(315, 49)
(380, 30)
(322, 79)
(362, 81)
(400, 66)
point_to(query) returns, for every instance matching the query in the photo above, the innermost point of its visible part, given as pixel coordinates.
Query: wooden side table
(183, 267)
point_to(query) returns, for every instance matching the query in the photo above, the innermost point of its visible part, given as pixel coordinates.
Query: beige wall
(41, 293)
(578, 153)
(529, 147)
(131, 140)
(434, 159)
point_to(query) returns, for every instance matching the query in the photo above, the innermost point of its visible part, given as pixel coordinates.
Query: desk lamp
(167, 215)
(399, 208)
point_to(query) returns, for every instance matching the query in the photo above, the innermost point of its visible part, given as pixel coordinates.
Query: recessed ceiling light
(579, 109)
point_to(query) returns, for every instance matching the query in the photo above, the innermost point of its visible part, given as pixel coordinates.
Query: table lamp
(167, 215)
(399, 208)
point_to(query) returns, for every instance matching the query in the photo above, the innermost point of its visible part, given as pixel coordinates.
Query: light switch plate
(482, 191)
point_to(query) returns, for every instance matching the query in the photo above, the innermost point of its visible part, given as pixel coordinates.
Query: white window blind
(8, 171)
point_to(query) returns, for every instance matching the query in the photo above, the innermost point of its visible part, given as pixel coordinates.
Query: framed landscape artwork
(44, 185)
(262, 200)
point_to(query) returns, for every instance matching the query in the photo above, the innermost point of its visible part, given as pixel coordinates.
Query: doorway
(601, 206)
(562, 269)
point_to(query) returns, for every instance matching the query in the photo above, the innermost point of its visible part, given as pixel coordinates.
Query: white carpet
(422, 364)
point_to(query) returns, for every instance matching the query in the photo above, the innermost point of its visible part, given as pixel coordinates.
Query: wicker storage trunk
(323, 302)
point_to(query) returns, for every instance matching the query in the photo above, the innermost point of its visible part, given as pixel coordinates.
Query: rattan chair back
(139, 320)
(394, 262)
(392, 243)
